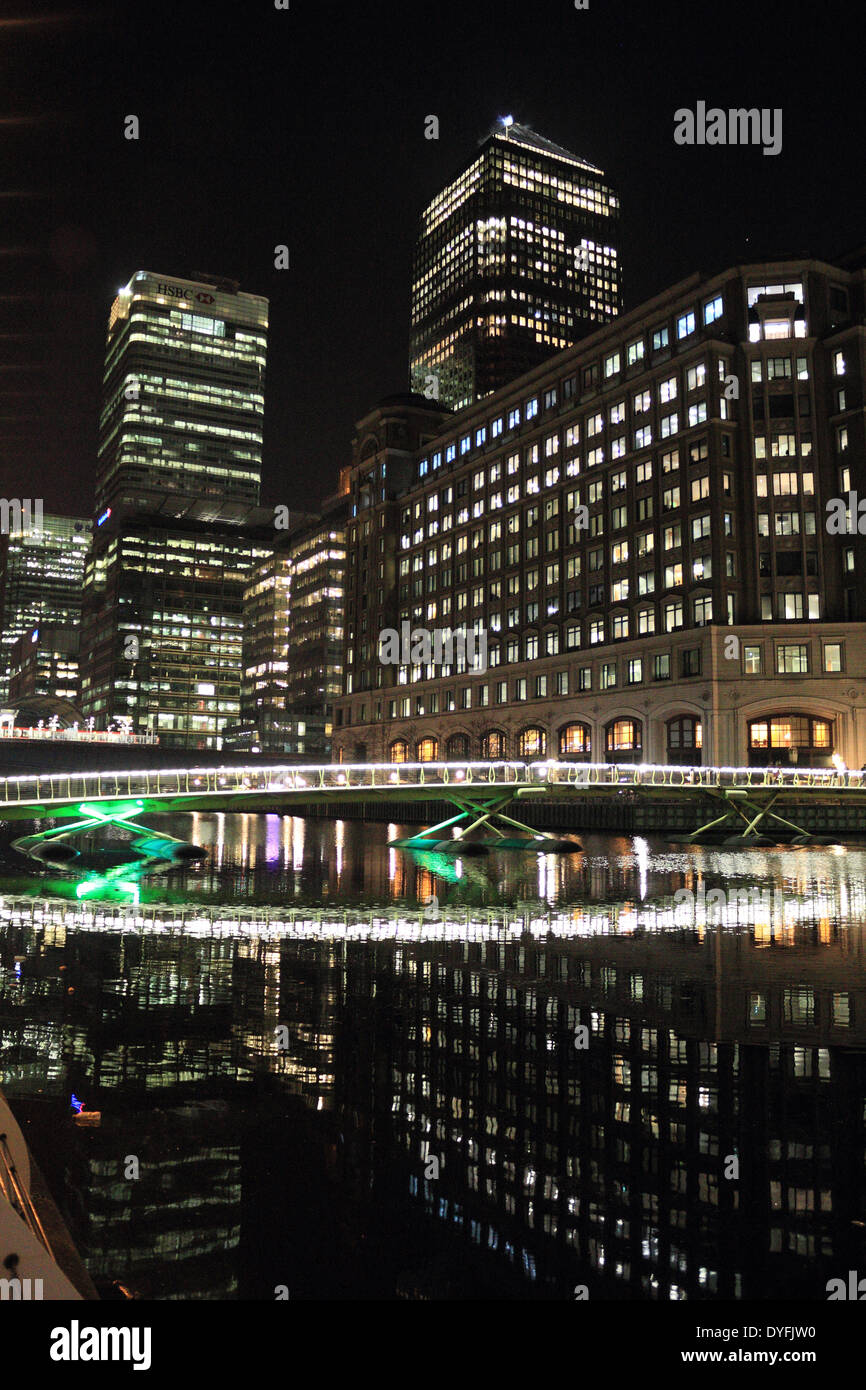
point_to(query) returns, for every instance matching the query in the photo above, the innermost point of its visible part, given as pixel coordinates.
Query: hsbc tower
(183, 401)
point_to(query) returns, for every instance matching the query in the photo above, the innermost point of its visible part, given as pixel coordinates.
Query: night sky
(306, 127)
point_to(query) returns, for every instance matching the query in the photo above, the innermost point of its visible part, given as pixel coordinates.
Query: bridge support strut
(475, 811)
(741, 804)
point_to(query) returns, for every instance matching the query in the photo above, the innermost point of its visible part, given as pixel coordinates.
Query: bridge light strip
(295, 771)
(107, 818)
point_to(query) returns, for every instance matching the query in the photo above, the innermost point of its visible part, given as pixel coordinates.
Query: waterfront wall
(622, 813)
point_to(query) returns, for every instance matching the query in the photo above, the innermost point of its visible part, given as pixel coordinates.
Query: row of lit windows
(790, 658)
(592, 424)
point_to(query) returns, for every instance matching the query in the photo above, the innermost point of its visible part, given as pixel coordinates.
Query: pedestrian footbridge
(751, 801)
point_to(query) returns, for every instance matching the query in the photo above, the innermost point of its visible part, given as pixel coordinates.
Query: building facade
(41, 573)
(316, 614)
(515, 259)
(293, 640)
(45, 662)
(655, 532)
(183, 393)
(162, 626)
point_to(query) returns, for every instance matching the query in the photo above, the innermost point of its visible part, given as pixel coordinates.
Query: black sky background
(306, 127)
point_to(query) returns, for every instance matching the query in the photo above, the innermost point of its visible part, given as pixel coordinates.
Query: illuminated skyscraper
(293, 639)
(178, 528)
(183, 393)
(162, 625)
(41, 573)
(515, 259)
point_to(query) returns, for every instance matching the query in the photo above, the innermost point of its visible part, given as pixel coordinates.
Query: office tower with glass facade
(656, 532)
(515, 259)
(45, 662)
(162, 626)
(293, 640)
(263, 723)
(183, 397)
(315, 635)
(41, 573)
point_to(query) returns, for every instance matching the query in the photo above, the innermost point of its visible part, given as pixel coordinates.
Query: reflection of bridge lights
(339, 841)
(641, 850)
(299, 831)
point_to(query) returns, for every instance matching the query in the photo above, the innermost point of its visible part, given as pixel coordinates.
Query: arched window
(575, 741)
(493, 744)
(623, 740)
(685, 739)
(458, 747)
(532, 743)
(791, 739)
(427, 750)
(399, 751)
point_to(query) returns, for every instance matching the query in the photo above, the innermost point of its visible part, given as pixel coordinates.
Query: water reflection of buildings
(454, 1039)
(605, 1166)
(172, 1232)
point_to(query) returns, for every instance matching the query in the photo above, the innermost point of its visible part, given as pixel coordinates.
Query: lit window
(832, 657)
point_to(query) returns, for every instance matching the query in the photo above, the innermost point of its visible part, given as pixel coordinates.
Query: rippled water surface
(343, 1070)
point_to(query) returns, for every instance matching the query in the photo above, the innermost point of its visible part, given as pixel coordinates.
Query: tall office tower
(316, 612)
(162, 625)
(293, 640)
(44, 662)
(514, 260)
(263, 724)
(42, 563)
(183, 398)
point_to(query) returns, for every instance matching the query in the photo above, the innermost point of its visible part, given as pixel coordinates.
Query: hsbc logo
(179, 292)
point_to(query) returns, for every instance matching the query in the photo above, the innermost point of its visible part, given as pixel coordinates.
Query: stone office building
(647, 531)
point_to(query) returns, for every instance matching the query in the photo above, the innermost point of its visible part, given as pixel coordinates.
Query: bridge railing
(438, 778)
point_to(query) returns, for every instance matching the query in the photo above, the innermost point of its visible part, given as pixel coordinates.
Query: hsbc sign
(182, 292)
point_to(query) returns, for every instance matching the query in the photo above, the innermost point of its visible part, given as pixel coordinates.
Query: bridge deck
(258, 787)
